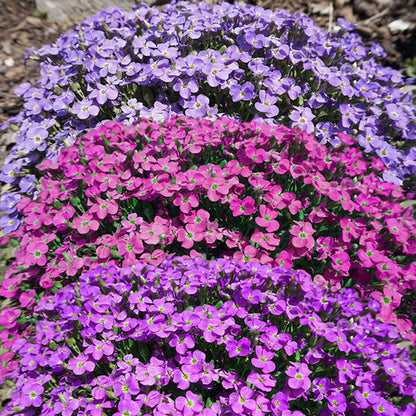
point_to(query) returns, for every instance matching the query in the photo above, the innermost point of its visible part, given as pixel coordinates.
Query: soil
(391, 23)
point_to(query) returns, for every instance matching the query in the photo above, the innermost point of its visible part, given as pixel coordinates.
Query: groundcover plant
(246, 191)
(244, 62)
(210, 338)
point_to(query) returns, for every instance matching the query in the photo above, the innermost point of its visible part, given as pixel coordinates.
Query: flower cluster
(210, 338)
(247, 191)
(244, 62)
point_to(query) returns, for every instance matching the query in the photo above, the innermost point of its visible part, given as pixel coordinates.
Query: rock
(77, 10)
(9, 62)
(398, 25)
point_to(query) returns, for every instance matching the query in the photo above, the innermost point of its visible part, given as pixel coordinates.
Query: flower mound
(245, 62)
(209, 338)
(246, 191)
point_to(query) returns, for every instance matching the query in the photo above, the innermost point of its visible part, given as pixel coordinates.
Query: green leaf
(144, 352)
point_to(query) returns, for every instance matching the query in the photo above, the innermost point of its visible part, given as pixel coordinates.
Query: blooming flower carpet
(208, 205)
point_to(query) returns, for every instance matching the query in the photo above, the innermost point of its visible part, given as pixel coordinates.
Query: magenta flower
(298, 373)
(184, 376)
(263, 359)
(243, 401)
(337, 402)
(32, 394)
(264, 382)
(80, 365)
(189, 405)
(240, 348)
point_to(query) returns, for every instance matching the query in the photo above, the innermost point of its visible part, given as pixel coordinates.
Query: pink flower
(27, 299)
(198, 221)
(131, 223)
(84, 224)
(398, 229)
(104, 207)
(341, 261)
(187, 236)
(186, 202)
(155, 232)
(247, 206)
(265, 240)
(8, 317)
(191, 179)
(284, 259)
(256, 155)
(302, 235)
(130, 243)
(267, 219)
(369, 256)
(10, 286)
(212, 233)
(249, 253)
(216, 188)
(36, 253)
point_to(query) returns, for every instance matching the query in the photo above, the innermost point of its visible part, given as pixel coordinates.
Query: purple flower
(104, 93)
(10, 223)
(245, 92)
(241, 348)
(99, 349)
(184, 376)
(337, 402)
(128, 407)
(32, 394)
(189, 405)
(80, 364)
(366, 397)
(255, 40)
(186, 87)
(302, 117)
(298, 373)
(266, 104)
(242, 402)
(66, 408)
(27, 184)
(263, 359)
(85, 109)
(197, 107)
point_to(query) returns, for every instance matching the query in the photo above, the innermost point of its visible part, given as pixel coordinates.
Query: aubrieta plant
(246, 191)
(244, 62)
(210, 338)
